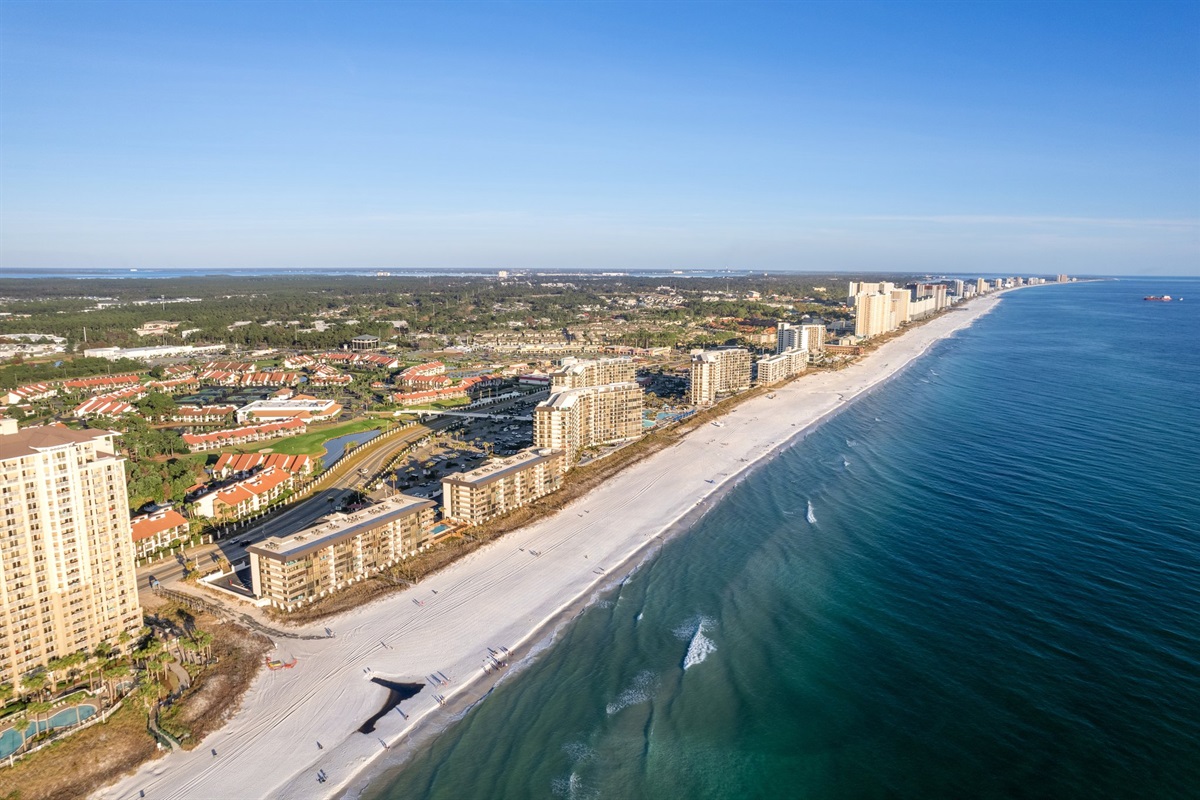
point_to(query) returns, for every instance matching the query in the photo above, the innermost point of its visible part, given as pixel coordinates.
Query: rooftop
(29, 441)
(146, 526)
(338, 527)
(500, 468)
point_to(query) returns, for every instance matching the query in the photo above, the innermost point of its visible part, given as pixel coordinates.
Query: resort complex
(261, 486)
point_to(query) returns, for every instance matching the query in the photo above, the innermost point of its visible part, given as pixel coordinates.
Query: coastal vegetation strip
(72, 766)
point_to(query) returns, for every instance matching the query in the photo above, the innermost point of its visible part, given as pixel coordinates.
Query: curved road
(365, 461)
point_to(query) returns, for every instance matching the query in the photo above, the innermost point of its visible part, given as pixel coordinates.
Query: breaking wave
(572, 788)
(700, 646)
(644, 685)
(578, 751)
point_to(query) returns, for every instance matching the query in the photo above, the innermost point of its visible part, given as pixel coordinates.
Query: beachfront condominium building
(575, 419)
(788, 337)
(900, 299)
(717, 372)
(574, 373)
(780, 366)
(814, 338)
(288, 571)
(873, 315)
(67, 578)
(861, 287)
(502, 485)
(939, 292)
(810, 338)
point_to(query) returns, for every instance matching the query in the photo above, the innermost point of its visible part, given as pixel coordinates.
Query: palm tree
(112, 673)
(73, 664)
(186, 648)
(160, 663)
(20, 723)
(54, 668)
(204, 641)
(149, 690)
(38, 710)
(149, 652)
(33, 684)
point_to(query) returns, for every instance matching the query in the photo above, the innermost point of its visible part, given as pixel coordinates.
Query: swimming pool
(11, 739)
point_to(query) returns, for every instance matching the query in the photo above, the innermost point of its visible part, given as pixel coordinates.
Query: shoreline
(496, 596)
(540, 639)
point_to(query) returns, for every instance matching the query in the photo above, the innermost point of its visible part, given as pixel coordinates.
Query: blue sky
(1013, 137)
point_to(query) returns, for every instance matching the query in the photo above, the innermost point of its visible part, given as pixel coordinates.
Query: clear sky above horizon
(970, 137)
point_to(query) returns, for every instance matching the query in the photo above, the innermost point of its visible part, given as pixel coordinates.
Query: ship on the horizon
(1160, 298)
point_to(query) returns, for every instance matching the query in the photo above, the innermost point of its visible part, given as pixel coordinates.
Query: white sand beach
(501, 595)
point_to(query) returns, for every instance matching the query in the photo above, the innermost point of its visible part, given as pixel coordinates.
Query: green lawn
(313, 442)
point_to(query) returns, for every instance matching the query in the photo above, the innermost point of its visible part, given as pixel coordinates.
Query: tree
(55, 668)
(157, 405)
(20, 723)
(114, 673)
(204, 642)
(33, 684)
(37, 711)
(149, 689)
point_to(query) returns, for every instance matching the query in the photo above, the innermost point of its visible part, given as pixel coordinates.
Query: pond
(335, 448)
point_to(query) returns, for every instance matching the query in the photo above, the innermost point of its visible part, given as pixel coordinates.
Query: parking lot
(461, 450)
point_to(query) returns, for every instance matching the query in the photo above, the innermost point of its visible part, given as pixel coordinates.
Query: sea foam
(645, 683)
(700, 645)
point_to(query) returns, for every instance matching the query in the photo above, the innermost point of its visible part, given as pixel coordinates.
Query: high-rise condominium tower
(67, 579)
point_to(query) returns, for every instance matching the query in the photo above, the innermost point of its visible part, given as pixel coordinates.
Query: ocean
(980, 581)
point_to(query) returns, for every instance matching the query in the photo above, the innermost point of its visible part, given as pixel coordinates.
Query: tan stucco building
(67, 579)
(873, 315)
(781, 366)
(574, 373)
(575, 419)
(717, 372)
(502, 485)
(289, 571)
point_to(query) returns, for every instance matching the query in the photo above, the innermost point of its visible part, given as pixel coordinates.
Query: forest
(280, 311)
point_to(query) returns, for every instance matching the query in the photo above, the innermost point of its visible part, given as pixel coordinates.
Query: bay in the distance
(994, 593)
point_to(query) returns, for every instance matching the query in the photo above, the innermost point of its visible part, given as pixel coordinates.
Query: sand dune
(501, 595)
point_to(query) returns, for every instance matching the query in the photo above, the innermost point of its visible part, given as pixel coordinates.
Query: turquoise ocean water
(999, 596)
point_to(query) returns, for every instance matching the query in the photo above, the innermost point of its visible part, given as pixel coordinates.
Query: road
(363, 463)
